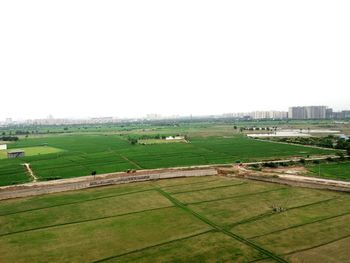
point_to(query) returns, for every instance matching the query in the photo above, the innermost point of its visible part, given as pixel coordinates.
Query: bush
(133, 141)
(93, 173)
(8, 138)
(341, 156)
(270, 165)
(51, 178)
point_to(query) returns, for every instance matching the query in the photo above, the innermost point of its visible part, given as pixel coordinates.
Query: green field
(30, 151)
(81, 154)
(335, 170)
(206, 219)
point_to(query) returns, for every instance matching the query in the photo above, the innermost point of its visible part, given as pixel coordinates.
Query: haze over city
(128, 59)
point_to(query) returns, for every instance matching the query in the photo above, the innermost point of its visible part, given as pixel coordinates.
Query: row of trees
(134, 139)
(255, 128)
(8, 138)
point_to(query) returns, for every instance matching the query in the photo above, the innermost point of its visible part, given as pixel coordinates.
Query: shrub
(270, 164)
(329, 159)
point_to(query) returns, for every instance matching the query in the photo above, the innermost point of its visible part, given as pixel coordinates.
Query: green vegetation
(160, 141)
(199, 219)
(331, 170)
(8, 138)
(35, 150)
(82, 154)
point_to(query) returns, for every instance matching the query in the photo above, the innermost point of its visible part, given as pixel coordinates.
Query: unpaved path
(30, 172)
(314, 180)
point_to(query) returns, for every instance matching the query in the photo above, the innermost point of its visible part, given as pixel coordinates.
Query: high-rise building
(329, 113)
(269, 115)
(316, 112)
(307, 112)
(298, 113)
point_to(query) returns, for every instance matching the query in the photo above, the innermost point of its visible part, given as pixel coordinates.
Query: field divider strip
(237, 196)
(320, 245)
(220, 229)
(78, 202)
(301, 225)
(85, 221)
(130, 161)
(258, 259)
(201, 182)
(208, 188)
(156, 245)
(270, 213)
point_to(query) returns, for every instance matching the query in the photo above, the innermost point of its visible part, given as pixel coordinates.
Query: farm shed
(15, 154)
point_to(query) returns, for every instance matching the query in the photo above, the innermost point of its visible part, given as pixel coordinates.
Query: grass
(30, 151)
(208, 247)
(303, 237)
(324, 253)
(201, 219)
(336, 170)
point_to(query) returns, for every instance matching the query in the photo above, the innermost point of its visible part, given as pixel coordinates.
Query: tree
(235, 127)
(133, 141)
(341, 156)
(348, 150)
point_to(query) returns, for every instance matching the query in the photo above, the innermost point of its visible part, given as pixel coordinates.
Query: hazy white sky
(126, 58)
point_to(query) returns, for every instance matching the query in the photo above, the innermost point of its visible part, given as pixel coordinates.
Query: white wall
(3, 146)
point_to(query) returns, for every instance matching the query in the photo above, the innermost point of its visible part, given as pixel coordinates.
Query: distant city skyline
(292, 112)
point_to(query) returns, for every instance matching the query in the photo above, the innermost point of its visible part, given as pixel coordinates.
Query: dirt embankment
(39, 188)
(295, 176)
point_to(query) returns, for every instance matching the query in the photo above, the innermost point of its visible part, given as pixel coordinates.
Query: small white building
(175, 138)
(3, 146)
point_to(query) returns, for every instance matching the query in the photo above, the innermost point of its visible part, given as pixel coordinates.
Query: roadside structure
(15, 154)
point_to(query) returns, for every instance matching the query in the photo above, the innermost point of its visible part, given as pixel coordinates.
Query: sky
(130, 58)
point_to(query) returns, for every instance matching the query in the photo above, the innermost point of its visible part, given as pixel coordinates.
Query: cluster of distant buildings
(60, 121)
(316, 112)
(297, 113)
